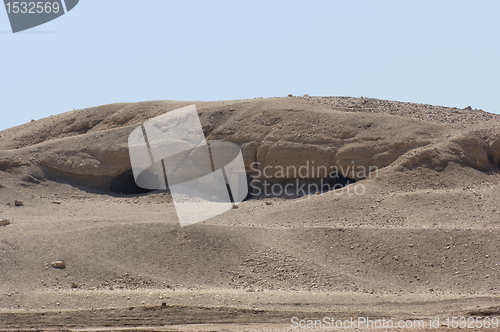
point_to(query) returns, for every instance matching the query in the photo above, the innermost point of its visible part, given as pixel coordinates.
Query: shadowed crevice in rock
(125, 184)
(291, 188)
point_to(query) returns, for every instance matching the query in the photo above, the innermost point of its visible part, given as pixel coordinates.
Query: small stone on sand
(58, 264)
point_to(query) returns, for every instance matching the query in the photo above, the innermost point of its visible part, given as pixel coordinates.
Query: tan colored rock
(287, 159)
(18, 203)
(433, 157)
(4, 222)
(58, 264)
(474, 154)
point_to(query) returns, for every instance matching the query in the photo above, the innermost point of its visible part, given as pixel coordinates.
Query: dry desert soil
(420, 242)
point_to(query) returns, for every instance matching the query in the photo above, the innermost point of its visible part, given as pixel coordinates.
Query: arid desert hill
(422, 239)
(89, 147)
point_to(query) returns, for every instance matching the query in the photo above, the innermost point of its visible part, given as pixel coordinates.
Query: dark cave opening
(125, 184)
(257, 188)
(335, 181)
(294, 187)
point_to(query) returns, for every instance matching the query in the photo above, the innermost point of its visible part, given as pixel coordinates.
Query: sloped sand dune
(421, 241)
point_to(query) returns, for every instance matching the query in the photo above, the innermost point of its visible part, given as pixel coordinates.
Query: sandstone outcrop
(89, 147)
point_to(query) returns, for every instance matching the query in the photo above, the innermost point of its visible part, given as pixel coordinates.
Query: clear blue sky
(106, 51)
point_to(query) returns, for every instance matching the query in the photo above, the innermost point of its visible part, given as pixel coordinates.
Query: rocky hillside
(89, 147)
(420, 240)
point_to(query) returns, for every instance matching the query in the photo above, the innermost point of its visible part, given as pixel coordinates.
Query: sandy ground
(418, 244)
(130, 263)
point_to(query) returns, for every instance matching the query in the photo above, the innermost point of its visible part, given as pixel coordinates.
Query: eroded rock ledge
(89, 147)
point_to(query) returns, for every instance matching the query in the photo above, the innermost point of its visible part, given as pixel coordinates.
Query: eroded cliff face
(431, 211)
(277, 137)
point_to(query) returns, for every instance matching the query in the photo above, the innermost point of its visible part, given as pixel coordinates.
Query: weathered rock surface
(89, 147)
(58, 264)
